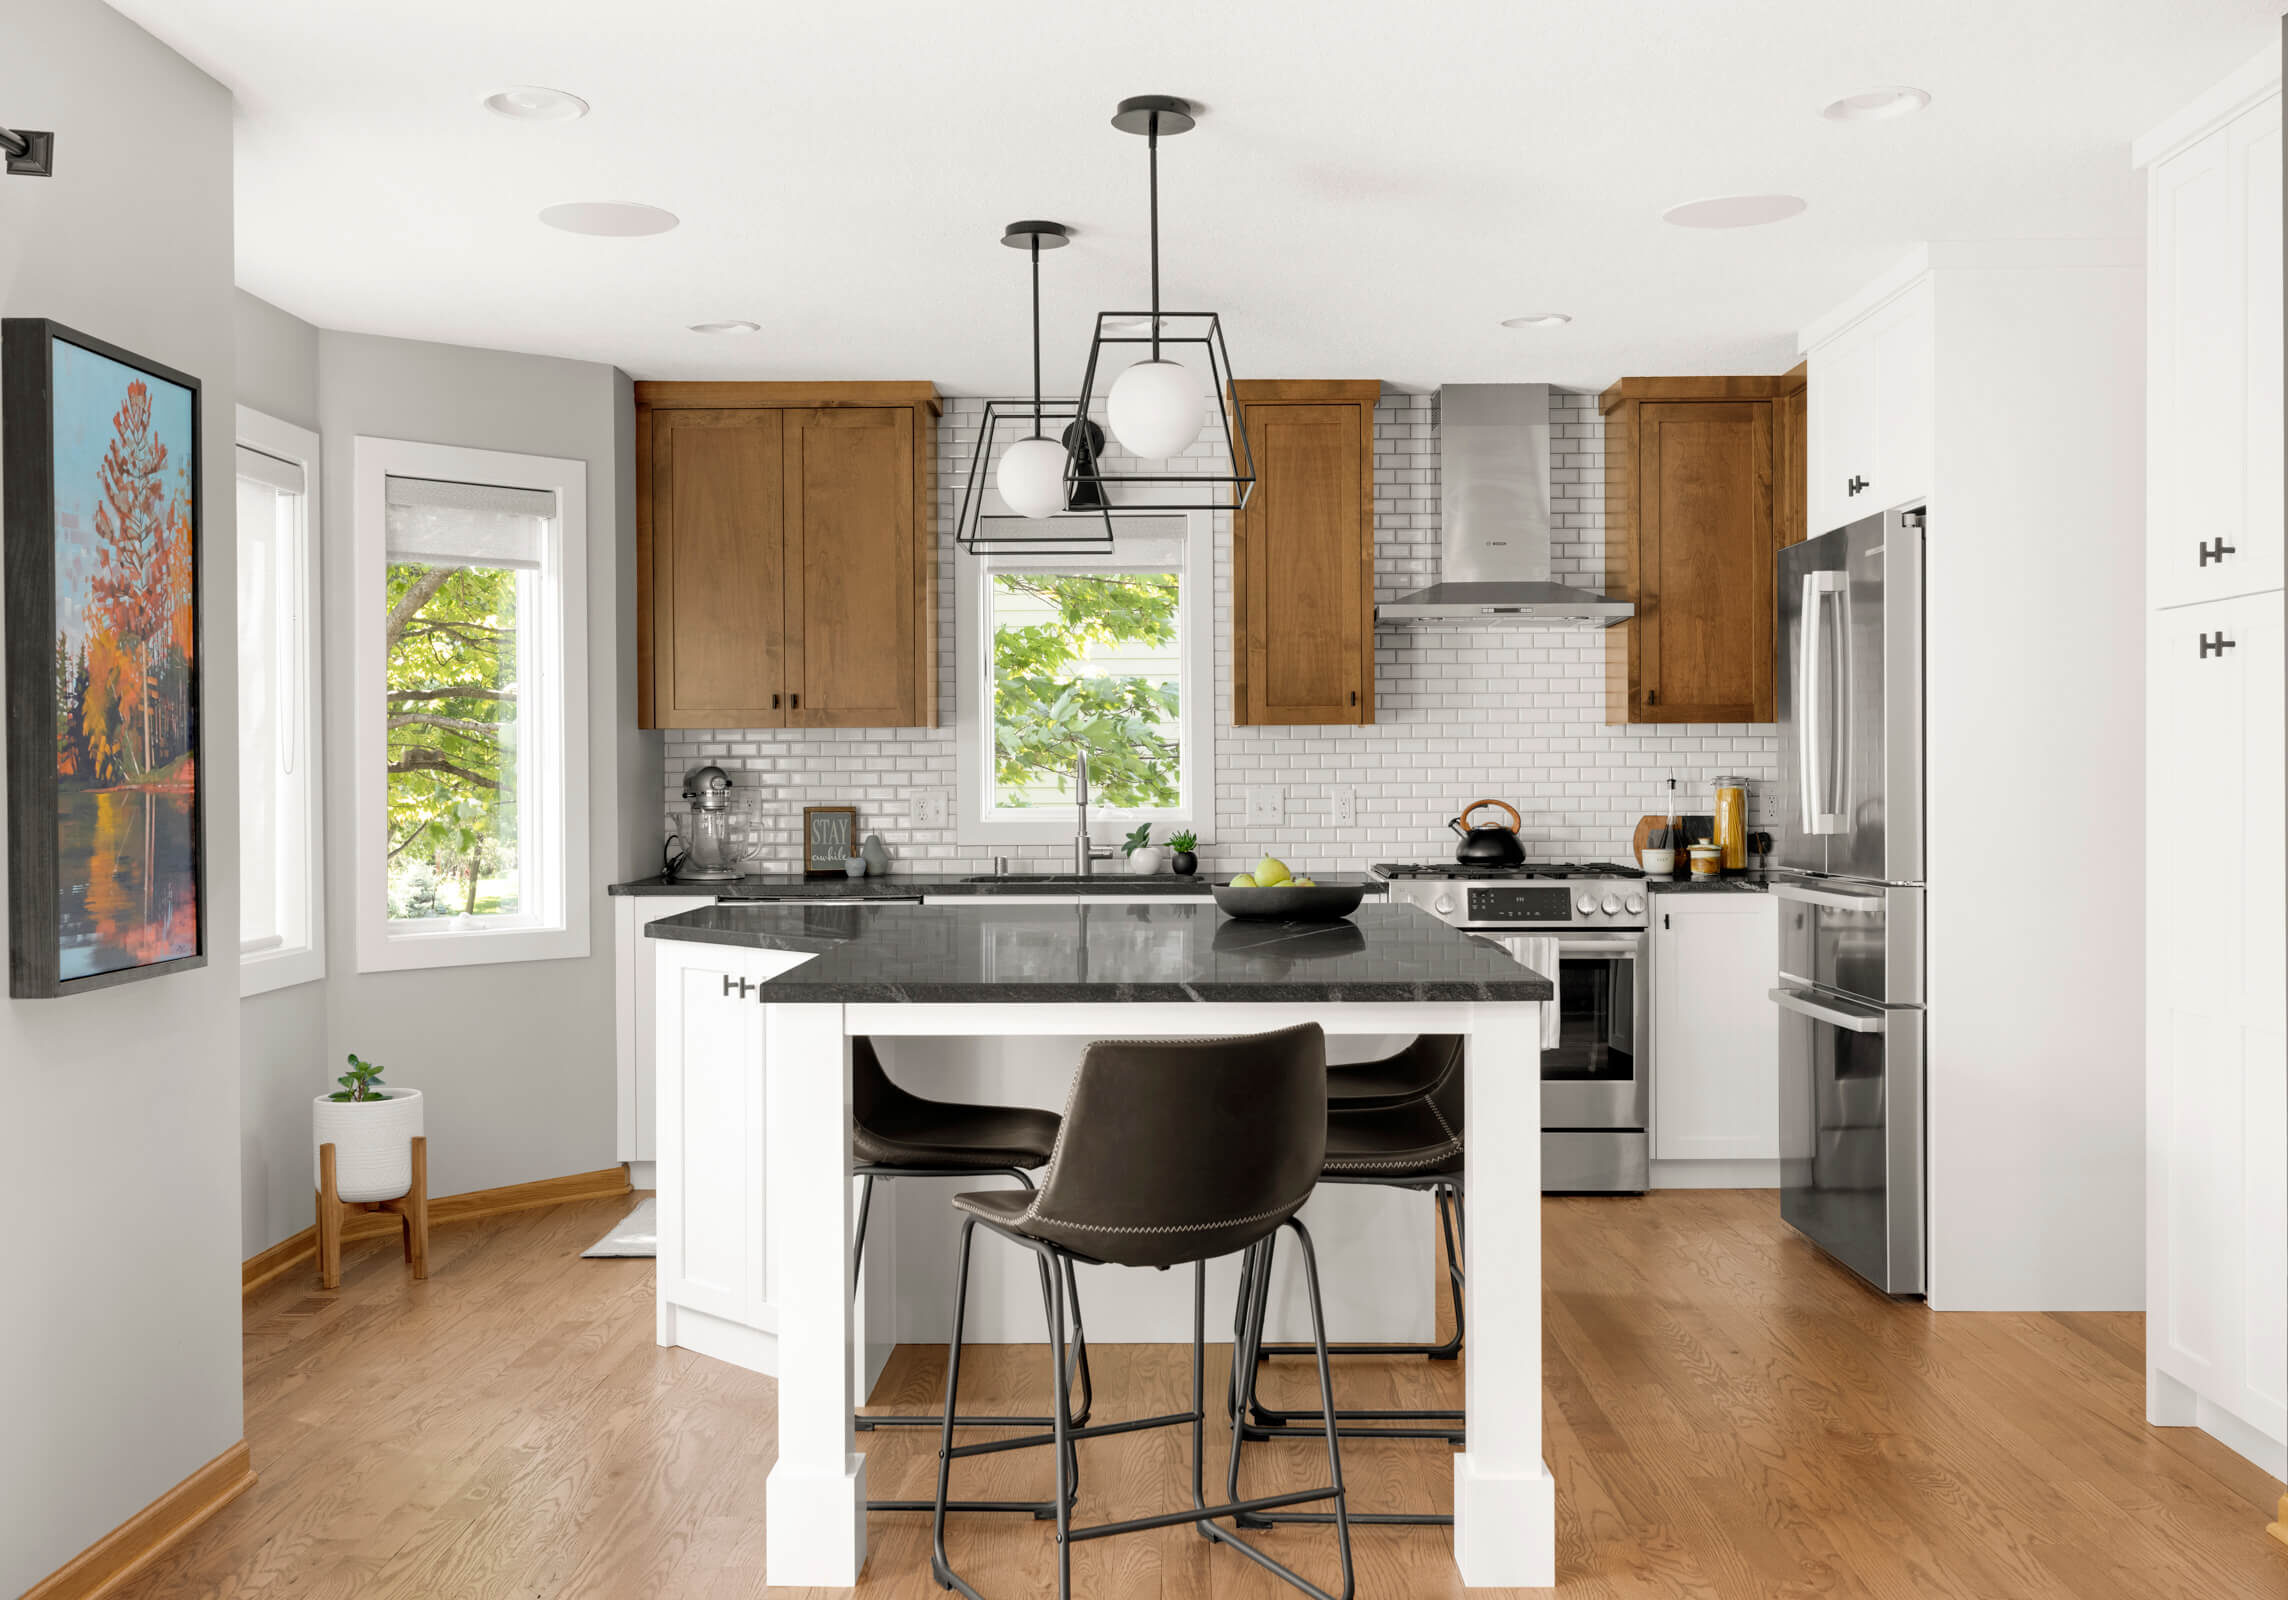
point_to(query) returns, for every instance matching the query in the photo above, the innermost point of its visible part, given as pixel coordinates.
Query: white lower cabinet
(2217, 1022)
(633, 1006)
(1715, 1074)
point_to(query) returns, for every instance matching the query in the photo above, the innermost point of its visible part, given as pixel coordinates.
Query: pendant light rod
(1036, 236)
(1152, 144)
(1153, 115)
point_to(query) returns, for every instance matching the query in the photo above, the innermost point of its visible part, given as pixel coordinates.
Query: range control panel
(1575, 903)
(1506, 904)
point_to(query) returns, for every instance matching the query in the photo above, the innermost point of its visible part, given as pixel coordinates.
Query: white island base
(754, 1260)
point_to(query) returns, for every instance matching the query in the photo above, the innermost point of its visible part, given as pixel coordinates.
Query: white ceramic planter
(372, 1140)
(1148, 860)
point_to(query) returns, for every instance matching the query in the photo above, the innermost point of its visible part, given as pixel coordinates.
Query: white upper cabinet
(2214, 381)
(1873, 412)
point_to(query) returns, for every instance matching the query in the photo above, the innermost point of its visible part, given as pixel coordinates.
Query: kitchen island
(760, 1003)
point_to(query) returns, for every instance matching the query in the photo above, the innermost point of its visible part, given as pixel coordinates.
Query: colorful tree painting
(126, 719)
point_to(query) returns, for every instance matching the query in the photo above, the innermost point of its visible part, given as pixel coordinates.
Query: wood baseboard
(127, 1549)
(281, 1257)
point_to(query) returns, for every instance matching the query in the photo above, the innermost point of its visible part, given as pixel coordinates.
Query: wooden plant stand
(411, 1207)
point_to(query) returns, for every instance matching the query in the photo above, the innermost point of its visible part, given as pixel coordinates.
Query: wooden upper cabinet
(1689, 537)
(787, 555)
(1791, 465)
(1303, 556)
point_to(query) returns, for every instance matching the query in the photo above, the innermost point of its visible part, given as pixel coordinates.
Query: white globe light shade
(1156, 409)
(1031, 477)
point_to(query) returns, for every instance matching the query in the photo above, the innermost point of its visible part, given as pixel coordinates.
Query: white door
(2217, 1023)
(1903, 336)
(2256, 566)
(711, 1130)
(1841, 431)
(1715, 1069)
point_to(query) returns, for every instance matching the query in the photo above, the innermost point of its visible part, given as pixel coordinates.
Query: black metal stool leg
(1446, 1349)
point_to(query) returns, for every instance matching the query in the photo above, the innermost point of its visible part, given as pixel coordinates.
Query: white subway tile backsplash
(1462, 712)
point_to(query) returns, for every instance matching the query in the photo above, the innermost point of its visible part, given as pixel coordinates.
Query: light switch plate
(1342, 806)
(1267, 804)
(930, 808)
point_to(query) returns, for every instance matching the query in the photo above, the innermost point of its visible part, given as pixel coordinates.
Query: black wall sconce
(30, 153)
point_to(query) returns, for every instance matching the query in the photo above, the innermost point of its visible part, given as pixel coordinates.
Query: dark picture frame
(67, 933)
(825, 829)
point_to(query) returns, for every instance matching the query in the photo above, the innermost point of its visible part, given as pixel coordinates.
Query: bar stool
(897, 1134)
(1415, 1143)
(1172, 1152)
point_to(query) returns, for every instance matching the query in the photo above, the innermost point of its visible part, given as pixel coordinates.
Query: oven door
(1594, 1077)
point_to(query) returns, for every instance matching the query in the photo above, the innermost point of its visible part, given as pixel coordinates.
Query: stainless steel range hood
(1493, 523)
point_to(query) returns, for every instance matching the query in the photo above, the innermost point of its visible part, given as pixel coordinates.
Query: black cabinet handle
(2214, 645)
(1856, 484)
(794, 702)
(1664, 921)
(744, 986)
(1354, 697)
(2217, 551)
(774, 702)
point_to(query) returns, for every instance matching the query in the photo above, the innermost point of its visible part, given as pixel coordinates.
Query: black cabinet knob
(2216, 551)
(1856, 484)
(2215, 644)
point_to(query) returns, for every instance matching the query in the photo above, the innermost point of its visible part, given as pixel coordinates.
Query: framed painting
(829, 838)
(100, 535)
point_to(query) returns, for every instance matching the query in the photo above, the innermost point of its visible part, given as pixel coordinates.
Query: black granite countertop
(1143, 952)
(904, 885)
(1739, 883)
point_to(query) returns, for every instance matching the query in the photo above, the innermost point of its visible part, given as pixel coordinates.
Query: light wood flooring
(1729, 1415)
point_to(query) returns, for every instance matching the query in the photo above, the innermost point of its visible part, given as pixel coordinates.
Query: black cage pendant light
(1019, 498)
(1159, 408)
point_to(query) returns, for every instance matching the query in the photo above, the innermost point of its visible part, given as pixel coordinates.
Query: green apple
(1270, 872)
(1243, 881)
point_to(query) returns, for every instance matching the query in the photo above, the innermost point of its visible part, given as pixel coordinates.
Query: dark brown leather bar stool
(1172, 1152)
(1414, 1143)
(897, 1134)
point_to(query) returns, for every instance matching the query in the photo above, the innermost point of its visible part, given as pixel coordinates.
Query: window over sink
(1103, 654)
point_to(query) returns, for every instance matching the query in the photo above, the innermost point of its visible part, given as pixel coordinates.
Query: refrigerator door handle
(1840, 899)
(1824, 768)
(1853, 1019)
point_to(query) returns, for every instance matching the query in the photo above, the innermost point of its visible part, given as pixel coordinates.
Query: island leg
(815, 1503)
(1505, 1502)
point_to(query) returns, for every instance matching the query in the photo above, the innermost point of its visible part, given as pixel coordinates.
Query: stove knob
(1636, 905)
(1586, 905)
(1612, 906)
(1443, 904)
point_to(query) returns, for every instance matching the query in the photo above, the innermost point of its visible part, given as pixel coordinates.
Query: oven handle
(1854, 1019)
(1625, 945)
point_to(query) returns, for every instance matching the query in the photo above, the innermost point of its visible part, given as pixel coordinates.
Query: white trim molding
(553, 718)
(261, 971)
(1194, 531)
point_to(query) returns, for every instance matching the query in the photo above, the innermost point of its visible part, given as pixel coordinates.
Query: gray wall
(516, 1060)
(119, 1337)
(282, 1033)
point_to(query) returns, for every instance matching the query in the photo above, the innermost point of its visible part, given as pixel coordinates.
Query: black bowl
(1320, 903)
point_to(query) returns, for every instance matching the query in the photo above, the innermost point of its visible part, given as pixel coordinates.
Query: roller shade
(442, 523)
(284, 476)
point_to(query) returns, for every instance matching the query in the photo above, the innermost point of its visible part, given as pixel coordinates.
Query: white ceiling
(1373, 186)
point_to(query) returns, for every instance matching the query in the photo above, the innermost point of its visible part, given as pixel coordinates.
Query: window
(281, 919)
(471, 685)
(1104, 654)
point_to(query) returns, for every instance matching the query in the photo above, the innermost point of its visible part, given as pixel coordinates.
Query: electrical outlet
(1342, 804)
(930, 808)
(1267, 804)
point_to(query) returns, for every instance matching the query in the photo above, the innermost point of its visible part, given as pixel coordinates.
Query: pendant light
(1158, 407)
(1044, 513)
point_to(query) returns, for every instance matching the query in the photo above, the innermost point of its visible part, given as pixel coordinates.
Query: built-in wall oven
(1586, 927)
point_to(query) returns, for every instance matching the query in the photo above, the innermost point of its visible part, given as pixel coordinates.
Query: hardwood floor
(1730, 1416)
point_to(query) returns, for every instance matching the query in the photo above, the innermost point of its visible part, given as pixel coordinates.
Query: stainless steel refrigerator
(1850, 843)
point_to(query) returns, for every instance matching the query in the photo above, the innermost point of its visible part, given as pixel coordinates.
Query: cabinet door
(1902, 336)
(1304, 558)
(1715, 1068)
(1704, 598)
(852, 569)
(2197, 380)
(1841, 447)
(1791, 415)
(718, 573)
(713, 1241)
(2217, 1019)
(2255, 152)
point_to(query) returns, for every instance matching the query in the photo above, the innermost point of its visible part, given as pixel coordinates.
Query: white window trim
(259, 972)
(973, 695)
(561, 931)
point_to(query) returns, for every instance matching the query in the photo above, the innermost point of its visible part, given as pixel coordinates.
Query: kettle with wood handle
(1490, 844)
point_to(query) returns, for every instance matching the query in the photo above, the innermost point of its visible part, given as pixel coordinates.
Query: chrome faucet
(1085, 855)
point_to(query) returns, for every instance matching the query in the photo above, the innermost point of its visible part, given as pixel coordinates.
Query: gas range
(1539, 894)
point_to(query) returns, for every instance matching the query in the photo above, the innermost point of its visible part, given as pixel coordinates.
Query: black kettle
(1491, 844)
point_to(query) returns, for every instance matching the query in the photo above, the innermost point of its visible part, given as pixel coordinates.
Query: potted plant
(1185, 861)
(372, 1128)
(1144, 857)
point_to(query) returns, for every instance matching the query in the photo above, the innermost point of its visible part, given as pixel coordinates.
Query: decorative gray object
(877, 855)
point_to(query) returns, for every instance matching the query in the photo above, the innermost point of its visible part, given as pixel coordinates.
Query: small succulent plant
(361, 1082)
(1138, 840)
(1185, 842)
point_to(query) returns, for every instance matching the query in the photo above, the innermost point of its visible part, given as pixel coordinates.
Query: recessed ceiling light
(529, 102)
(1538, 319)
(736, 326)
(1878, 105)
(611, 219)
(1734, 211)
